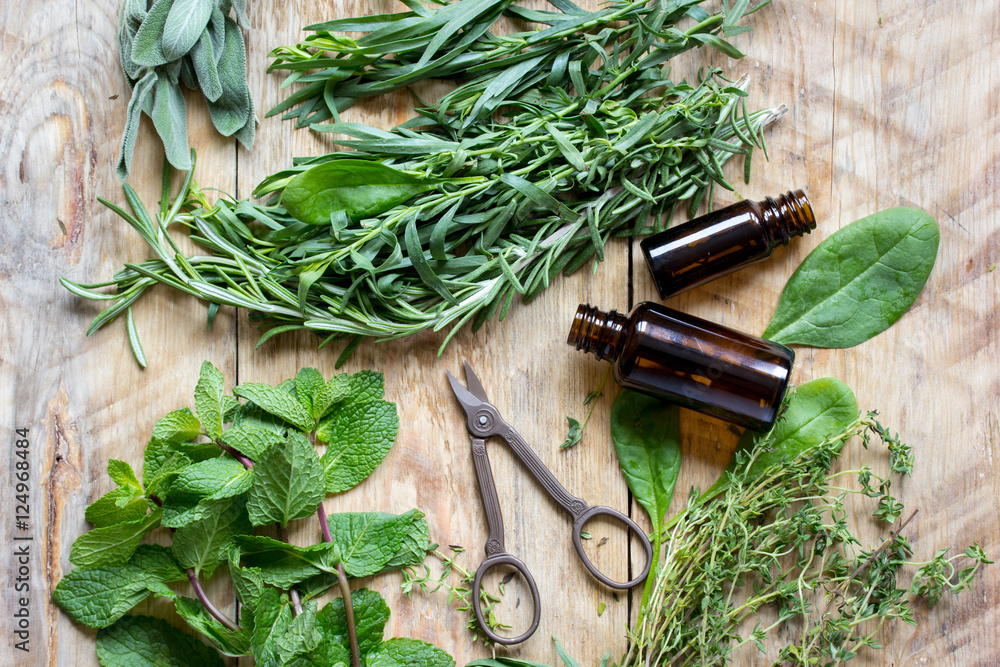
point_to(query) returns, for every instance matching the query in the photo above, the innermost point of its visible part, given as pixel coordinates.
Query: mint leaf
(358, 437)
(334, 391)
(178, 513)
(371, 613)
(111, 545)
(287, 484)
(369, 540)
(213, 479)
(247, 581)
(117, 506)
(301, 635)
(99, 596)
(271, 619)
(251, 439)
(403, 652)
(277, 402)
(308, 383)
(178, 426)
(160, 464)
(208, 399)
(284, 565)
(414, 545)
(141, 641)
(366, 386)
(228, 642)
(203, 544)
(123, 475)
(230, 407)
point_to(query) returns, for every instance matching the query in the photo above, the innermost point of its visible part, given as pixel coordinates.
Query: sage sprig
(197, 43)
(454, 41)
(513, 205)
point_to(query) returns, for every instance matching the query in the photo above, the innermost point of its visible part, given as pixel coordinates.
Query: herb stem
(352, 630)
(209, 607)
(247, 463)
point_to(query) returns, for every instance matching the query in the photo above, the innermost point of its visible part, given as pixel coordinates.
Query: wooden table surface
(891, 103)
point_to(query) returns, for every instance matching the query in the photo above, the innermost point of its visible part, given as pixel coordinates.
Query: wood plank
(890, 103)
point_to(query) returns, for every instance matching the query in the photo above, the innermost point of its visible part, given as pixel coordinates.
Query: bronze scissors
(482, 421)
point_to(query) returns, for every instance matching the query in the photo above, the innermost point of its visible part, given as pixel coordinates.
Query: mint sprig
(214, 476)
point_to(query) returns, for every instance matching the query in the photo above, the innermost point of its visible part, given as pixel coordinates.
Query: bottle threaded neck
(788, 215)
(597, 332)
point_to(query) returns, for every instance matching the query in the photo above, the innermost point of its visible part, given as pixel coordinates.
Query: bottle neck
(786, 216)
(602, 334)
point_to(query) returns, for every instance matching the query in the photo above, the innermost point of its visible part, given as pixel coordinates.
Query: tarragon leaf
(143, 641)
(403, 652)
(208, 395)
(857, 282)
(111, 545)
(288, 483)
(277, 402)
(203, 544)
(359, 435)
(99, 596)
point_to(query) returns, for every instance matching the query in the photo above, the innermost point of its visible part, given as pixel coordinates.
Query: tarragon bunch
(212, 478)
(166, 43)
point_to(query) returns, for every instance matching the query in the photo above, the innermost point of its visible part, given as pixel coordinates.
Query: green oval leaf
(859, 281)
(360, 188)
(647, 436)
(185, 23)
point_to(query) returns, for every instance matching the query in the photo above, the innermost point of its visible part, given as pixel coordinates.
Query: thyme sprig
(776, 549)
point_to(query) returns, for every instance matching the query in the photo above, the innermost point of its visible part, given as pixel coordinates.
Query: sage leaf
(857, 282)
(204, 63)
(208, 399)
(360, 188)
(202, 545)
(277, 402)
(232, 108)
(814, 412)
(111, 545)
(141, 641)
(287, 484)
(170, 119)
(99, 596)
(143, 88)
(358, 437)
(184, 25)
(647, 438)
(147, 47)
(371, 613)
(405, 652)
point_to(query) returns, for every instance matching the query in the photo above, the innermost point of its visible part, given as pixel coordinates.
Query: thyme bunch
(776, 550)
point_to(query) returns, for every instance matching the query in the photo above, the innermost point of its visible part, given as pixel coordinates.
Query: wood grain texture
(890, 103)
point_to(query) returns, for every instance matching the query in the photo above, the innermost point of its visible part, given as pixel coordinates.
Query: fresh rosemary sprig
(550, 187)
(454, 42)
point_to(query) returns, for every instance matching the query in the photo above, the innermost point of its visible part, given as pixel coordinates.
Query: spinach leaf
(814, 411)
(646, 433)
(360, 188)
(857, 282)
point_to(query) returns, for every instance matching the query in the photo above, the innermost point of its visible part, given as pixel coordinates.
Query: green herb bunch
(770, 555)
(418, 229)
(166, 43)
(214, 476)
(454, 42)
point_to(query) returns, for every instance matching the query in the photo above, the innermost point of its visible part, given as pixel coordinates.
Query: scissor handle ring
(484, 567)
(589, 514)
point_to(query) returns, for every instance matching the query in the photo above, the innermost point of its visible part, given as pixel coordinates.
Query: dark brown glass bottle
(724, 241)
(696, 363)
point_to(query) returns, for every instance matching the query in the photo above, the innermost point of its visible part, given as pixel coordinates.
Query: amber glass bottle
(724, 241)
(696, 363)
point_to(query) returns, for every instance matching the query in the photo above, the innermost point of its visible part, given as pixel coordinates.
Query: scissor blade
(475, 386)
(467, 399)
